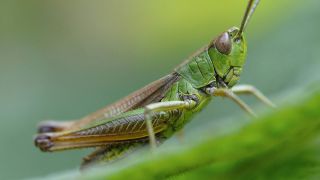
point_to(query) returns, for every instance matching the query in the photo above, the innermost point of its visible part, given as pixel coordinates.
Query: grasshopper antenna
(247, 15)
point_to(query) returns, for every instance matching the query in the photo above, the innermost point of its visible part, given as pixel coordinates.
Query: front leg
(163, 106)
(249, 89)
(224, 92)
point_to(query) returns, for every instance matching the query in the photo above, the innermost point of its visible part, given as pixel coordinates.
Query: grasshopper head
(228, 54)
(229, 50)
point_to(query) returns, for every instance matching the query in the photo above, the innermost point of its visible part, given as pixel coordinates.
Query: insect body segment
(198, 70)
(110, 153)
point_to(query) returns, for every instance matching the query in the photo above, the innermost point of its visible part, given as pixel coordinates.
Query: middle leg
(163, 106)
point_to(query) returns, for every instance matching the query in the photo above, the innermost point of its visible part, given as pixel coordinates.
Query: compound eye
(223, 43)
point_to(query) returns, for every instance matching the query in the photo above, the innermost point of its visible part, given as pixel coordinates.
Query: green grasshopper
(158, 110)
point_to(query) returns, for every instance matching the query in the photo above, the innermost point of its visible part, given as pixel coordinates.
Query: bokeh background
(65, 59)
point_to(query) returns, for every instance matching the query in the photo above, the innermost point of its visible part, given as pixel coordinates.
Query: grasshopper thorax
(228, 53)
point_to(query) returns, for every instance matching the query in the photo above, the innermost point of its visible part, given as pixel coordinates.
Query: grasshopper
(158, 110)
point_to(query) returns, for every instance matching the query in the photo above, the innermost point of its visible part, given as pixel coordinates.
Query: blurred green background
(64, 59)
